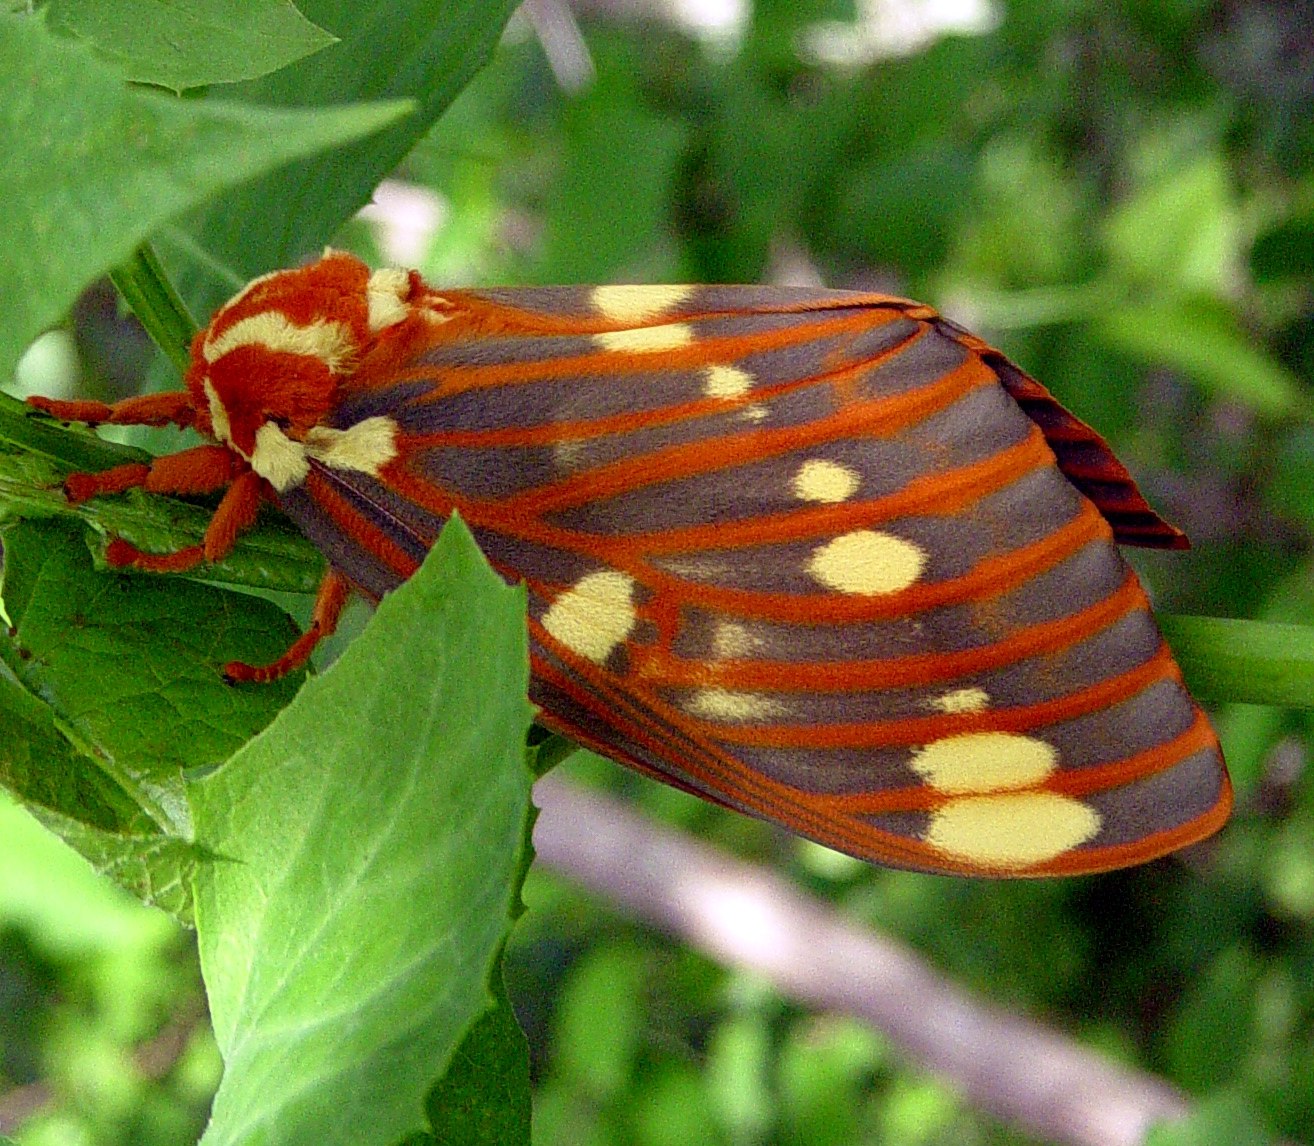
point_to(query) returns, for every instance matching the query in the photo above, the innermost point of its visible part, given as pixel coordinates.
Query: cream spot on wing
(696, 568)
(330, 342)
(985, 762)
(595, 616)
(646, 339)
(223, 430)
(724, 705)
(726, 382)
(278, 459)
(637, 303)
(962, 700)
(367, 446)
(568, 453)
(385, 294)
(754, 413)
(820, 480)
(867, 562)
(1011, 832)
(732, 641)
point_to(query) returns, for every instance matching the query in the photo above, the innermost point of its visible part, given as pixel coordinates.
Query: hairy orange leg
(83, 487)
(236, 512)
(203, 469)
(329, 603)
(173, 408)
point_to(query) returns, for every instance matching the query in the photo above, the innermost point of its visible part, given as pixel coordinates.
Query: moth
(820, 556)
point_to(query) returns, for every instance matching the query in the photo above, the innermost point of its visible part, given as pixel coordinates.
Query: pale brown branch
(1013, 1067)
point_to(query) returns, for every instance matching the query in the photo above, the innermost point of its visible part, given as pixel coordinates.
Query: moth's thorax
(270, 368)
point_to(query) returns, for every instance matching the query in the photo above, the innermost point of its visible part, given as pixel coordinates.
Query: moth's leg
(203, 469)
(236, 512)
(171, 408)
(329, 603)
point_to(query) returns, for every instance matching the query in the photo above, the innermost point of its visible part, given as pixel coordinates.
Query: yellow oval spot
(723, 704)
(637, 303)
(962, 700)
(727, 382)
(1011, 832)
(820, 480)
(985, 762)
(367, 446)
(646, 339)
(594, 617)
(867, 562)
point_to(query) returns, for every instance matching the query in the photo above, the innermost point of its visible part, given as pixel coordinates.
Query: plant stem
(147, 290)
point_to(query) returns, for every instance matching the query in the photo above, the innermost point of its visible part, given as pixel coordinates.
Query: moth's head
(268, 368)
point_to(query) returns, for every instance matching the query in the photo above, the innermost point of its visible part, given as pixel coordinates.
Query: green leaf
(370, 849)
(1202, 339)
(1286, 251)
(885, 207)
(186, 43)
(128, 667)
(40, 767)
(1213, 1027)
(49, 891)
(1248, 662)
(483, 1099)
(76, 449)
(618, 233)
(411, 48)
(1179, 231)
(73, 797)
(91, 167)
(154, 867)
(601, 1056)
(110, 689)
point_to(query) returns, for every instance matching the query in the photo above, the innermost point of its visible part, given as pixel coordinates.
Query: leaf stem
(147, 290)
(1244, 662)
(547, 752)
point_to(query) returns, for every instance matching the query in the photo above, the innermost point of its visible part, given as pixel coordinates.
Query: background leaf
(188, 43)
(92, 167)
(411, 49)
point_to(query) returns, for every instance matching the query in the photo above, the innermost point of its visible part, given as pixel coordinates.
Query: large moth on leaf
(820, 556)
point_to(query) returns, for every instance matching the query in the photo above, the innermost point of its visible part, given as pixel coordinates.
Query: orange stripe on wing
(894, 672)
(357, 526)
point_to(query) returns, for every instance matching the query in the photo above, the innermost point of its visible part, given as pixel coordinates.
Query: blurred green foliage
(1122, 197)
